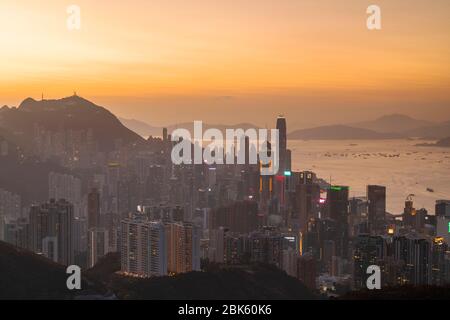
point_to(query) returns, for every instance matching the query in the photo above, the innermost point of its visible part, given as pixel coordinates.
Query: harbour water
(400, 165)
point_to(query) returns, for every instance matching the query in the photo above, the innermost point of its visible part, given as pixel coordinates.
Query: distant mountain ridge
(141, 128)
(26, 275)
(340, 132)
(444, 143)
(407, 126)
(438, 131)
(397, 123)
(77, 113)
(394, 126)
(144, 129)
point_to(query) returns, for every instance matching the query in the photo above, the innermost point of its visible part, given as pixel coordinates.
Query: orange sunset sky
(232, 61)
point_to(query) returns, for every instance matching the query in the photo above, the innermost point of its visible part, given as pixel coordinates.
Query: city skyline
(130, 203)
(245, 150)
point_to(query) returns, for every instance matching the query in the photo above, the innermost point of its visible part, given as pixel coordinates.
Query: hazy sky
(232, 61)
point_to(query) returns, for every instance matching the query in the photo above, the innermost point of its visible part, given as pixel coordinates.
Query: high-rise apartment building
(442, 213)
(93, 209)
(143, 248)
(337, 201)
(65, 186)
(183, 247)
(282, 145)
(376, 196)
(51, 226)
(307, 195)
(10, 205)
(98, 245)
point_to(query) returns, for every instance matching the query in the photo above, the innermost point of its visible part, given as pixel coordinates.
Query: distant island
(341, 132)
(443, 143)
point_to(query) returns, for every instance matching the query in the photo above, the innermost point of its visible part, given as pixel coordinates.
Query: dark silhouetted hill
(25, 275)
(401, 293)
(105, 268)
(72, 113)
(240, 282)
(394, 126)
(141, 128)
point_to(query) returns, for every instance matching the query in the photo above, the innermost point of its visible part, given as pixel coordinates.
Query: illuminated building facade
(143, 248)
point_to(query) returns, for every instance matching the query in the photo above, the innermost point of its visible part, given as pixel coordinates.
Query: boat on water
(430, 190)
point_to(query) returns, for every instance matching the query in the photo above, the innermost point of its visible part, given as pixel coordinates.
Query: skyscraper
(376, 196)
(183, 247)
(307, 195)
(409, 212)
(420, 258)
(337, 200)
(51, 226)
(442, 212)
(442, 208)
(368, 250)
(282, 146)
(80, 240)
(143, 248)
(216, 245)
(438, 268)
(98, 245)
(358, 223)
(415, 255)
(93, 209)
(64, 186)
(10, 204)
(266, 246)
(241, 216)
(306, 270)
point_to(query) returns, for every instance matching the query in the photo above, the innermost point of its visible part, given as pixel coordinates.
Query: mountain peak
(75, 98)
(31, 104)
(393, 123)
(27, 103)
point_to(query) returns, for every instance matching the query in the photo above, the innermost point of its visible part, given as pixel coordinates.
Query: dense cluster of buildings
(165, 219)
